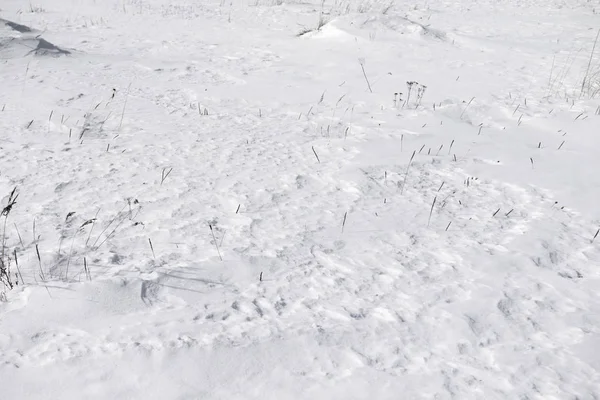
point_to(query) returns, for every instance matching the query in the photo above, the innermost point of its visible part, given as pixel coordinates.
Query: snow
(241, 219)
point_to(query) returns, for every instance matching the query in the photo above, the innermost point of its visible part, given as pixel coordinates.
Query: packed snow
(273, 199)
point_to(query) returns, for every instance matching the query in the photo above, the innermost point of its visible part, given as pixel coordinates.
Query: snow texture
(271, 199)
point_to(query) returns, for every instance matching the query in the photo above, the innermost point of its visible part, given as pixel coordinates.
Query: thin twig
(316, 155)
(17, 264)
(125, 105)
(365, 75)
(468, 104)
(406, 173)
(152, 248)
(215, 240)
(431, 211)
(587, 72)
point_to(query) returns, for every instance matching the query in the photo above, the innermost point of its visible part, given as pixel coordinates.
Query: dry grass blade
(165, 173)
(107, 226)
(316, 155)
(362, 66)
(587, 72)
(37, 251)
(152, 248)
(17, 264)
(406, 173)
(19, 235)
(431, 211)
(125, 105)
(215, 240)
(468, 104)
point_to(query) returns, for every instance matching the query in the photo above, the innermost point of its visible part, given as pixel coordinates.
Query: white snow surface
(348, 271)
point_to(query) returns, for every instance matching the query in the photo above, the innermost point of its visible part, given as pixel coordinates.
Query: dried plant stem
(125, 105)
(406, 173)
(431, 210)
(365, 75)
(152, 248)
(215, 240)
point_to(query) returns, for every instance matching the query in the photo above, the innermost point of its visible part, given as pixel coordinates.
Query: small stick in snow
(93, 222)
(17, 263)
(531, 159)
(316, 155)
(152, 248)
(448, 226)
(561, 145)
(37, 250)
(29, 124)
(594, 238)
(215, 240)
(222, 238)
(468, 104)
(238, 208)
(406, 173)
(441, 186)
(451, 144)
(49, 120)
(344, 221)
(88, 274)
(440, 149)
(165, 174)
(508, 213)
(494, 214)
(125, 105)
(309, 111)
(431, 211)
(362, 66)
(260, 277)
